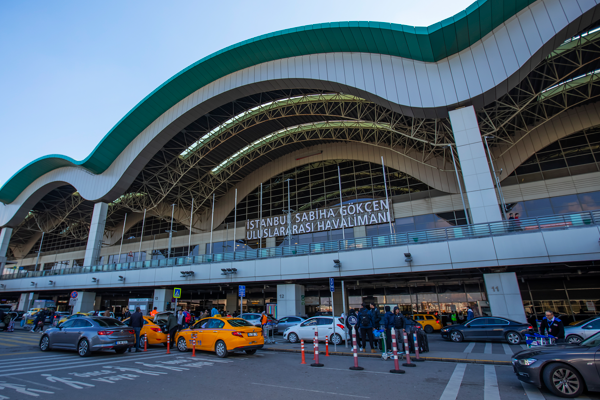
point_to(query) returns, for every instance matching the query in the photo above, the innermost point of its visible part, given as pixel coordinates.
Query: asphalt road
(27, 373)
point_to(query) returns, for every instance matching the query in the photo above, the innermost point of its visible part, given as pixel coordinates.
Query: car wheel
(250, 352)
(513, 338)
(83, 348)
(336, 339)
(142, 338)
(456, 336)
(428, 329)
(221, 349)
(574, 339)
(45, 343)
(181, 344)
(563, 380)
(293, 338)
(121, 350)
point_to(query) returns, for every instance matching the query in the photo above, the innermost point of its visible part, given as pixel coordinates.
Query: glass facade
(556, 205)
(153, 226)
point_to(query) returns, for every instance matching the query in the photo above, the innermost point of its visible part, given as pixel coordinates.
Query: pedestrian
(187, 318)
(126, 314)
(38, 322)
(106, 313)
(517, 222)
(365, 322)
(532, 320)
(263, 322)
(454, 318)
(376, 319)
(511, 222)
(180, 319)
(172, 327)
(137, 323)
(3, 317)
(551, 325)
(470, 314)
(154, 312)
(388, 323)
(214, 312)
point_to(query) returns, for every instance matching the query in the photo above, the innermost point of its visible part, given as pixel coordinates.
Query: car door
(324, 327)
(496, 327)
(591, 328)
(306, 330)
(283, 324)
(73, 332)
(201, 330)
(476, 329)
(211, 333)
(291, 321)
(59, 338)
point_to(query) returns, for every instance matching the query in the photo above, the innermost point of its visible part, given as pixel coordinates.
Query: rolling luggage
(422, 341)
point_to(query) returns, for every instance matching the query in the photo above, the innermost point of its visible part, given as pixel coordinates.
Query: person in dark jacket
(357, 326)
(532, 320)
(126, 314)
(551, 325)
(137, 323)
(172, 327)
(388, 323)
(376, 319)
(365, 322)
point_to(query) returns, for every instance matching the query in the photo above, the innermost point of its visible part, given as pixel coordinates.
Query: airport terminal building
(433, 168)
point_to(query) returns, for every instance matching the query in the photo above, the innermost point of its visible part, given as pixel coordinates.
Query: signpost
(176, 295)
(332, 289)
(73, 298)
(242, 294)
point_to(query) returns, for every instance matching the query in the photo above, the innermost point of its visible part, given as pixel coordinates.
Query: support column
(161, 298)
(98, 303)
(4, 240)
(85, 302)
(504, 296)
(26, 300)
(232, 300)
(290, 300)
(474, 166)
(94, 243)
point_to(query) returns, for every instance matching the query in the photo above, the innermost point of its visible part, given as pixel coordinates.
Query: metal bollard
(355, 353)
(396, 369)
(302, 347)
(326, 346)
(316, 363)
(168, 343)
(417, 358)
(145, 342)
(407, 351)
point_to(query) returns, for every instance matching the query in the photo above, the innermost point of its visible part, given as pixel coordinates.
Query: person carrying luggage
(366, 329)
(388, 324)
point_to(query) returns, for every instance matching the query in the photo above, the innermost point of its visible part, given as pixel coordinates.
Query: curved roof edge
(428, 44)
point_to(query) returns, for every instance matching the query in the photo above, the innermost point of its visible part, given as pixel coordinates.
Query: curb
(442, 359)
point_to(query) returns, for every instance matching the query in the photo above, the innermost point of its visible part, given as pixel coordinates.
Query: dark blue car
(487, 329)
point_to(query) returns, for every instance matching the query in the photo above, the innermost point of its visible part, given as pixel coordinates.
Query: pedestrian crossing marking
(453, 386)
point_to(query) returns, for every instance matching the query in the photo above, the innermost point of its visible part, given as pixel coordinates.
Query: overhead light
(186, 274)
(51, 283)
(95, 280)
(408, 257)
(337, 264)
(228, 271)
(33, 284)
(121, 278)
(2, 286)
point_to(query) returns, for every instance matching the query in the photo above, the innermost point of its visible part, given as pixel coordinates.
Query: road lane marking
(19, 353)
(453, 386)
(34, 383)
(507, 349)
(532, 392)
(310, 390)
(488, 348)
(8, 344)
(490, 390)
(469, 347)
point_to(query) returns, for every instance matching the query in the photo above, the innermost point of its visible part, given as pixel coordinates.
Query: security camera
(2, 286)
(337, 264)
(51, 283)
(95, 280)
(408, 257)
(33, 284)
(121, 278)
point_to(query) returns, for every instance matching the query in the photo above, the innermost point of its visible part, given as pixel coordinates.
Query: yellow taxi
(76, 315)
(429, 322)
(152, 332)
(221, 335)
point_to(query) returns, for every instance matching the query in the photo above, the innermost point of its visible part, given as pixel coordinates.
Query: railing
(511, 227)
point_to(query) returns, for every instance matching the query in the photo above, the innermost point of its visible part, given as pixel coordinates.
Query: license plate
(252, 334)
(122, 342)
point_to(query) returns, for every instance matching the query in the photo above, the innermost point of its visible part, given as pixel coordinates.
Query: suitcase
(422, 341)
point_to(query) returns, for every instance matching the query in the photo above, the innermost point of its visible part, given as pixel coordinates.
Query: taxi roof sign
(176, 293)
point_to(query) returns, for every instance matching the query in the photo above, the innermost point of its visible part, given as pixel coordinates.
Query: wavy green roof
(429, 44)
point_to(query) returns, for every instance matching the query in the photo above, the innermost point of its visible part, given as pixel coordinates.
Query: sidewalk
(448, 356)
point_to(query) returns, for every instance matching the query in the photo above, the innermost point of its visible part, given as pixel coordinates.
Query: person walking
(388, 324)
(137, 323)
(551, 325)
(180, 319)
(38, 322)
(399, 324)
(532, 320)
(214, 312)
(454, 318)
(365, 322)
(376, 319)
(263, 323)
(172, 327)
(470, 314)
(126, 314)
(154, 312)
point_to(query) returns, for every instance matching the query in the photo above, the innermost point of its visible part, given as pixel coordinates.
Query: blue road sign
(242, 291)
(331, 285)
(176, 293)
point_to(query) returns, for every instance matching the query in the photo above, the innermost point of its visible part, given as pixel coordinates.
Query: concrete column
(4, 240)
(290, 300)
(98, 303)
(504, 296)
(232, 299)
(26, 300)
(85, 302)
(271, 242)
(360, 231)
(161, 298)
(94, 243)
(474, 166)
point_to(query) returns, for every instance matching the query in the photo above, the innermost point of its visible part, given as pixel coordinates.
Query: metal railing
(510, 227)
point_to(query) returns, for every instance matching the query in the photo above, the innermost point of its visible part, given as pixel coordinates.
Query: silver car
(286, 322)
(582, 330)
(88, 334)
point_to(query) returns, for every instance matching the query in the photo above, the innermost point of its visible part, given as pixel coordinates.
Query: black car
(566, 370)
(488, 328)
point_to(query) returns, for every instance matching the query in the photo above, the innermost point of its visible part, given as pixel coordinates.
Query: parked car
(254, 319)
(323, 325)
(566, 370)
(488, 328)
(582, 330)
(429, 322)
(152, 331)
(87, 334)
(286, 322)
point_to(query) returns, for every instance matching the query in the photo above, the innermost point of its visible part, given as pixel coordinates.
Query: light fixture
(408, 257)
(121, 278)
(228, 271)
(95, 280)
(2, 286)
(337, 264)
(33, 284)
(186, 274)
(51, 283)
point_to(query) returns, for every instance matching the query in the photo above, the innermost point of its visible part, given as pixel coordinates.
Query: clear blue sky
(71, 69)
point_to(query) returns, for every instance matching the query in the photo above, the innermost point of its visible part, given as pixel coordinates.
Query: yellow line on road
(17, 354)
(20, 341)
(8, 345)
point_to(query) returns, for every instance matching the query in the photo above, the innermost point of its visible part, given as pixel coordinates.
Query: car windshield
(592, 341)
(237, 323)
(109, 322)
(585, 321)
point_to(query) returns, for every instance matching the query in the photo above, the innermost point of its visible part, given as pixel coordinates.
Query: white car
(323, 325)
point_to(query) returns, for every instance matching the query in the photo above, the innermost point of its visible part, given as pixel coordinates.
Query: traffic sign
(242, 291)
(74, 294)
(177, 293)
(331, 285)
(352, 320)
